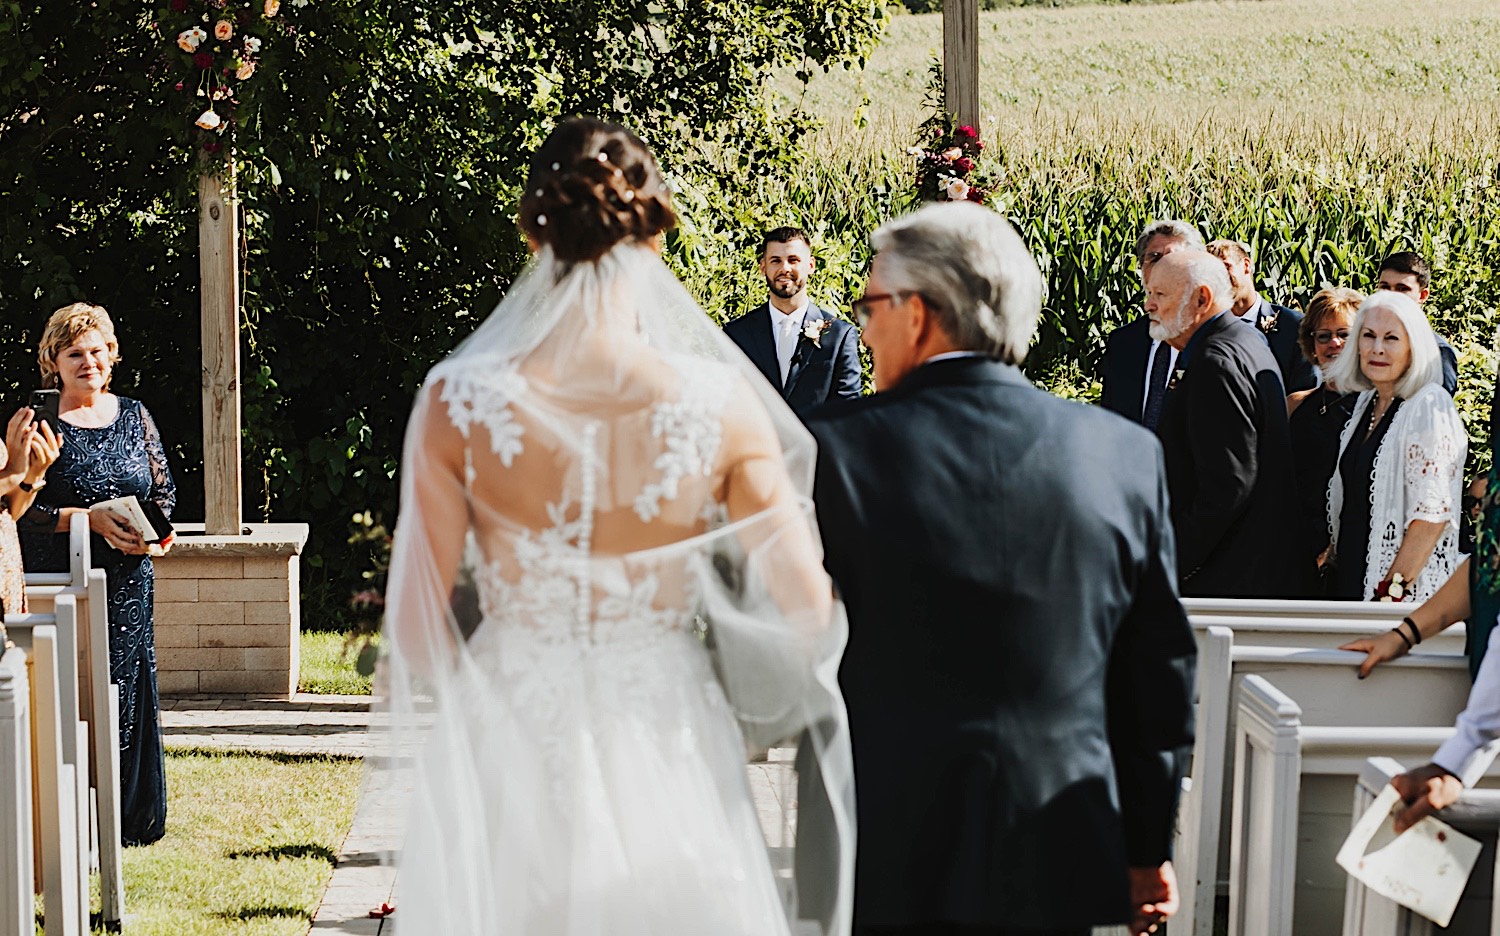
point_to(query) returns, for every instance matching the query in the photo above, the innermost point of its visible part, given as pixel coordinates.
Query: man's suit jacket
(1229, 467)
(1126, 351)
(827, 370)
(1019, 669)
(1280, 326)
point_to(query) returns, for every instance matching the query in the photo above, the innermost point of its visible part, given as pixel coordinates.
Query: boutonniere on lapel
(813, 330)
(1176, 378)
(1267, 323)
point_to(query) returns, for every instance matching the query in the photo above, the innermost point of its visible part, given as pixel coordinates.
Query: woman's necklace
(1376, 412)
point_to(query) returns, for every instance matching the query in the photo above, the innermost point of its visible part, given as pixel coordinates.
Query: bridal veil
(606, 597)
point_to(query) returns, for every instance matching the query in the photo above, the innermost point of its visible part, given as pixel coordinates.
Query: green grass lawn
(327, 668)
(250, 845)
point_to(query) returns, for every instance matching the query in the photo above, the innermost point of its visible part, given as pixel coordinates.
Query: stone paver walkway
(308, 724)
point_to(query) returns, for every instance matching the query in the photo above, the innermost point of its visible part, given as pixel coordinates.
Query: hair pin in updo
(556, 166)
(603, 156)
(541, 220)
(629, 195)
(537, 193)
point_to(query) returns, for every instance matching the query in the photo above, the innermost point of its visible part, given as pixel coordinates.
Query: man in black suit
(1224, 432)
(1277, 323)
(1407, 273)
(808, 353)
(1019, 669)
(1137, 367)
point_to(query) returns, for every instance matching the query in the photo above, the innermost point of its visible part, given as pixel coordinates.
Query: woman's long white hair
(1426, 366)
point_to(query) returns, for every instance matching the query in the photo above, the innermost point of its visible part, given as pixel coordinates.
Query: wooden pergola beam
(218, 269)
(961, 60)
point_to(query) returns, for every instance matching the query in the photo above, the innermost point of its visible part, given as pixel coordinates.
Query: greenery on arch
(378, 154)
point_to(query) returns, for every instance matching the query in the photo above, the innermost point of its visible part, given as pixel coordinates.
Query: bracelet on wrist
(1404, 639)
(1416, 635)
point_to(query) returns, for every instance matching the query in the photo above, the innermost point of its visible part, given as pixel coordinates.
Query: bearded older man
(1019, 669)
(1224, 433)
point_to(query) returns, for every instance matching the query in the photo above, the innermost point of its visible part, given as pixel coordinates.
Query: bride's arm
(429, 537)
(755, 481)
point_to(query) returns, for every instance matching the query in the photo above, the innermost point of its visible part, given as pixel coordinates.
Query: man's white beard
(1173, 325)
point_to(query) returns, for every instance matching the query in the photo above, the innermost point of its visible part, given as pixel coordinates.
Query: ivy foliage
(378, 155)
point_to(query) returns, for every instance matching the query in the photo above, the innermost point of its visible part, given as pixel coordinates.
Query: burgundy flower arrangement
(947, 166)
(216, 47)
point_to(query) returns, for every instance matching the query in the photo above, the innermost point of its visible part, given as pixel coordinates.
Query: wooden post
(218, 268)
(961, 60)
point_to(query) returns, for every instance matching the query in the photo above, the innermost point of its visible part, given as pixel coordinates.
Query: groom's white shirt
(785, 328)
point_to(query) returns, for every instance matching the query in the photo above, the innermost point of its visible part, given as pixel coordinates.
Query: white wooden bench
(17, 879)
(1318, 633)
(1388, 612)
(63, 851)
(1418, 690)
(1476, 813)
(99, 707)
(1291, 787)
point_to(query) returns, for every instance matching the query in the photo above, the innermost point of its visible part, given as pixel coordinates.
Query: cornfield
(1321, 188)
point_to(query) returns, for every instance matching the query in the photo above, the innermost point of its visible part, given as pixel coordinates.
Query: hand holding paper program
(1423, 869)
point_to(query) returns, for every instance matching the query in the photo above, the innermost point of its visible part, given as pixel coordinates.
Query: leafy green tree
(379, 148)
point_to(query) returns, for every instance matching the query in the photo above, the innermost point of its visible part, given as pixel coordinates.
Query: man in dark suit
(1407, 273)
(1277, 323)
(1224, 432)
(808, 353)
(1019, 669)
(1137, 367)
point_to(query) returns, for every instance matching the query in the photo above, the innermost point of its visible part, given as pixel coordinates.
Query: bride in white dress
(628, 501)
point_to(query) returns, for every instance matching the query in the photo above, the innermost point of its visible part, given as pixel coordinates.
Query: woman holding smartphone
(30, 449)
(110, 448)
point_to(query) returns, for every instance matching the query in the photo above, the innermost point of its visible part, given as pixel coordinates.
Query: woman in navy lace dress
(110, 448)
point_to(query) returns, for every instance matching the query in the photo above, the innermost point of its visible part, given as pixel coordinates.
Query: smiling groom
(808, 353)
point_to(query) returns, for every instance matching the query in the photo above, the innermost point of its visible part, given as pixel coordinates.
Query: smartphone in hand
(44, 403)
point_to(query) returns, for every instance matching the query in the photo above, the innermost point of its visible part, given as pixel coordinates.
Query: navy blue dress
(124, 457)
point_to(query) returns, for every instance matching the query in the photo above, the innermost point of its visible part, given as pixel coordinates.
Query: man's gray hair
(1191, 239)
(974, 271)
(1204, 269)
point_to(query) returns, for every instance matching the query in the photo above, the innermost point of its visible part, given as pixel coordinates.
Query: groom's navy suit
(1019, 668)
(821, 371)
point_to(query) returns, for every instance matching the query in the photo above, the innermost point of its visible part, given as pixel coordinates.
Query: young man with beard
(808, 353)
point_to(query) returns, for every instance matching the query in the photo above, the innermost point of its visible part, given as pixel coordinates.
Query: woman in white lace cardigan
(1393, 501)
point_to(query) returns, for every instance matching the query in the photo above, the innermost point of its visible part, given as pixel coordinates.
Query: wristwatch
(28, 487)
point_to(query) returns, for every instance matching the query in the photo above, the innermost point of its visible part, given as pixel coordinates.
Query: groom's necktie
(1156, 396)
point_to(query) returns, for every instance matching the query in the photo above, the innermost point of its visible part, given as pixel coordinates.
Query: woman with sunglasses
(1318, 415)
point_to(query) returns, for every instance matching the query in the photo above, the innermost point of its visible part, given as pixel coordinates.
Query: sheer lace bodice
(604, 581)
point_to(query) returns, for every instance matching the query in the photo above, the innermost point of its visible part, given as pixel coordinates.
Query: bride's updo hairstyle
(592, 185)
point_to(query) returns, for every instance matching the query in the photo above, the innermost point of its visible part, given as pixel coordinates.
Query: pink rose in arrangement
(203, 60)
(245, 70)
(272, 7)
(223, 29)
(952, 154)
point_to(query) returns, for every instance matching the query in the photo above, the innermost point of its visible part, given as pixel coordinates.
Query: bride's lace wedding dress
(598, 471)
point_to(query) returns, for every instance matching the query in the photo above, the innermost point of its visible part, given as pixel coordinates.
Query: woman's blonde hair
(63, 330)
